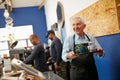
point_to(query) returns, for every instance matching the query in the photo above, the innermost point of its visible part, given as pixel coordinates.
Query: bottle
(91, 47)
(7, 63)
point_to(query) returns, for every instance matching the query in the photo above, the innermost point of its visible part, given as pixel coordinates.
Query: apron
(83, 67)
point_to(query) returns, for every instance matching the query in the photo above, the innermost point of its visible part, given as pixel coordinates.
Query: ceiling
(23, 3)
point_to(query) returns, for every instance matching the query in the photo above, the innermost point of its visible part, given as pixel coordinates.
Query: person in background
(78, 49)
(56, 52)
(37, 55)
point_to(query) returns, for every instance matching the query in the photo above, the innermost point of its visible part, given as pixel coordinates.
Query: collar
(78, 37)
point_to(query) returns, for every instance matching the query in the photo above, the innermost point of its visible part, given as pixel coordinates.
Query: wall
(71, 7)
(50, 11)
(28, 16)
(108, 67)
(51, 16)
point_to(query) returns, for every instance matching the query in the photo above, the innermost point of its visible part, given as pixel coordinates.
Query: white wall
(50, 11)
(51, 16)
(71, 7)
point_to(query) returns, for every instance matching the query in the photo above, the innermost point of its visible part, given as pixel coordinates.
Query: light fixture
(6, 13)
(9, 22)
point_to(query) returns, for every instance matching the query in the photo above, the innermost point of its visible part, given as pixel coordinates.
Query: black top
(39, 57)
(56, 50)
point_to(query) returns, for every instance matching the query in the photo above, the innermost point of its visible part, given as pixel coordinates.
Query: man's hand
(99, 52)
(50, 59)
(72, 55)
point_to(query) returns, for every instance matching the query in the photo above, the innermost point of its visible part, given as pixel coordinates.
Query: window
(19, 33)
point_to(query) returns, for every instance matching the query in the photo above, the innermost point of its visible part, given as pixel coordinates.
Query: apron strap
(74, 40)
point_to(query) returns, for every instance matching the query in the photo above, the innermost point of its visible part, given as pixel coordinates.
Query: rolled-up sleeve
(95, 42)
(67, 47)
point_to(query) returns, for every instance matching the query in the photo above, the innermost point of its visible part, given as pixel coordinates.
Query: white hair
(79, 18)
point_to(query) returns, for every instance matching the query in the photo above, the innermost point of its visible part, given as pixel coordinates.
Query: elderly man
(76, 51)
